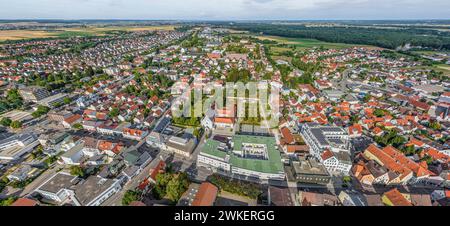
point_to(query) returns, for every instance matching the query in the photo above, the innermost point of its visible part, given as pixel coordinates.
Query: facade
(180, 145)
(94, 191)
(16, 146)
(64, 188)
(402, 170)
(320, 138)
(310, 171)
(337, 162)
(55, 188)
(134, 134)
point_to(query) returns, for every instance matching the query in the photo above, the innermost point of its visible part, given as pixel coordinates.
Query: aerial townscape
(90, 113)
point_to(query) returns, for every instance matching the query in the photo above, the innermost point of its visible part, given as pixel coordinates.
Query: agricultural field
(302, 43)
(445, 68)
(103, 30)
(13, 35)
(23, 34)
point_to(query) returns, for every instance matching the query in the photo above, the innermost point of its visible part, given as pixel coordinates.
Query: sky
(225, 9)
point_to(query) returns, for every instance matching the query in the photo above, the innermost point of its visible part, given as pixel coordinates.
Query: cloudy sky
(225, 9)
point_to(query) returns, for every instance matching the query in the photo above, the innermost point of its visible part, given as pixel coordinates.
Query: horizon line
(225, 20)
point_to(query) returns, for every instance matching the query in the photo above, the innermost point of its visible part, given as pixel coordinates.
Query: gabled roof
(326, 155)
(24, 202)
(287, 135)
(224, 120)
(396, 198)
(206, 195)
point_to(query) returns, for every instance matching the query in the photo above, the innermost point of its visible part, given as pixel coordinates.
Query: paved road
(116, 199)
(39, 180)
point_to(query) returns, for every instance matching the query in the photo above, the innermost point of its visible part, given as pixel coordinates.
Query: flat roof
(52, 98)
(309, 166)
(58, 182)
(211, 148)
(91, 188)
(16, 115)
(271, 165)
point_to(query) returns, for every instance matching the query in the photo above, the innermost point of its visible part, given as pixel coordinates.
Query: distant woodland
(381, 37)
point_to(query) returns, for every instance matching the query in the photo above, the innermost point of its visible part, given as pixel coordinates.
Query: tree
(114, 113)
(235, 75)
(197, 133)
(39, 151)
(6, 122)
(130, 196)
(347, 179)
(16, 124)
(77, 171)
(391, 138)
(435, 125)
(409, 150)
(354, 118)
(77, 126)
(177, 186)
(379, 112)
(8, 201)
(41, 110)
(67, 100)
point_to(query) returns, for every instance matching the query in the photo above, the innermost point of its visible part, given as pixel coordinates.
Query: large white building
(337, 162)
(320, 138)
(64, 188)
(249, 156)
(329, 145)
(16, 146)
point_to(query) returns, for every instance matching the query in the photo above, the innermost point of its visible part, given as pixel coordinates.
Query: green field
(444, 68)
(303, 43)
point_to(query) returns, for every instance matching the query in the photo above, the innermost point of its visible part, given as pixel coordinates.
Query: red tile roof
(327, 154)
(287, 135)
(24, 202)
(397, 162)
(206, 195)
(297, 148)
(224, 120)
(160, 168)
(396, 198)
(72, 119)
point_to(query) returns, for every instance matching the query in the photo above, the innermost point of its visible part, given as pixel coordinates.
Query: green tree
(67, 100)
(16, 124)
(41, 110)
(130, 196)
(435, 125)
(347, 179)
(379, 112)
(6, 122)
(8, 201)
(177, 186)
(197, 133)
(77, 171)
(114, 113)
(77, 126)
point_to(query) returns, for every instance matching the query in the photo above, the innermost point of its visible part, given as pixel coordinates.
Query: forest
(385, 38)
